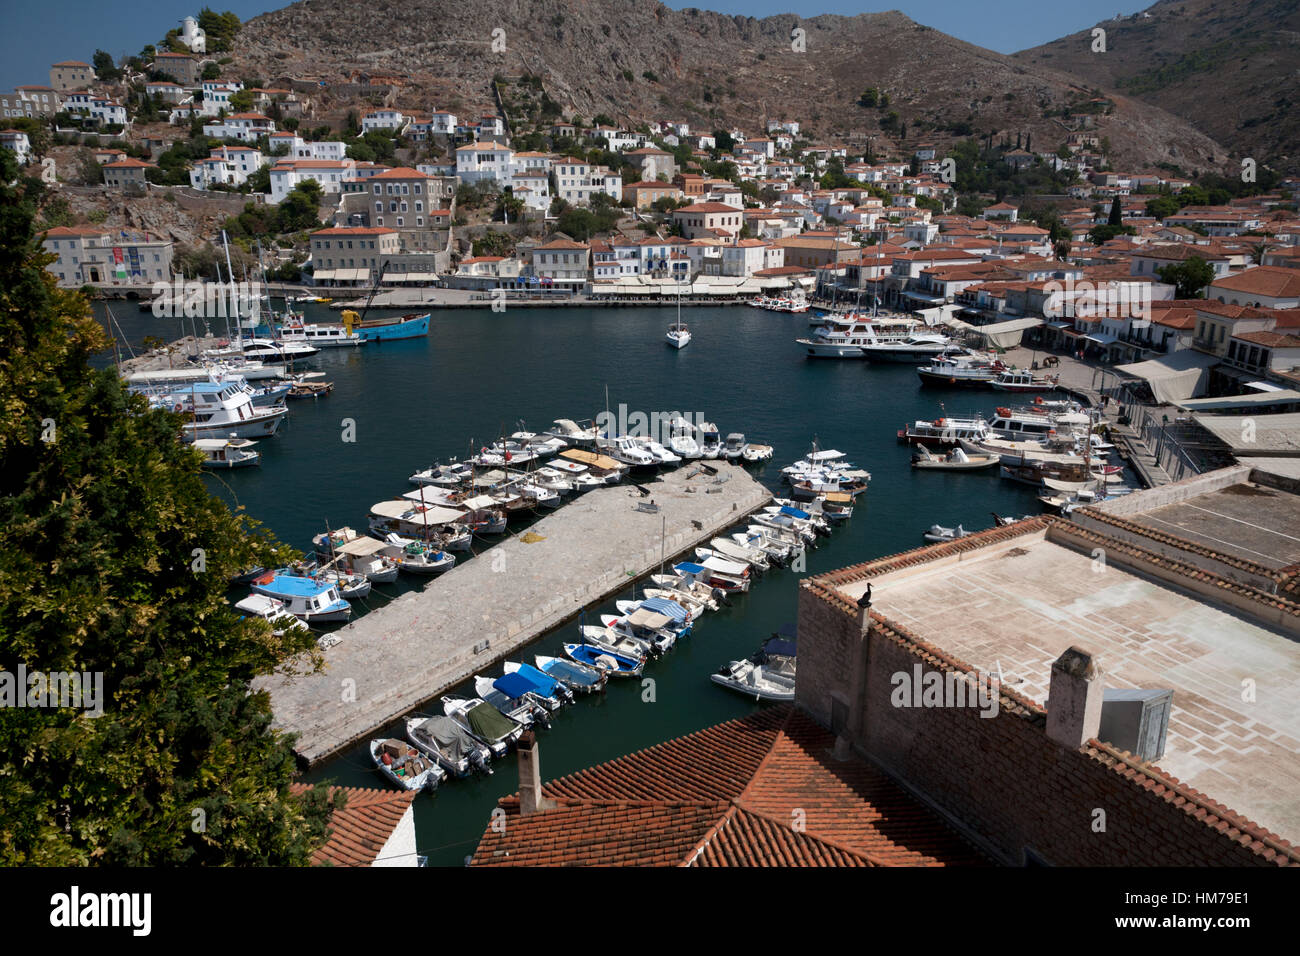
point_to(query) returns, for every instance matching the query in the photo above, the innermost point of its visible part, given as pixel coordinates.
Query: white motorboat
(756, 453)
(767, 675)
(273, 350)
(227, 452)
(733, 551)
(955, 460)
(578, 677)
(917, 347)
(944, 430)
(452, 475)
(416, 557)
(710, 441)
(319, 336)
(682, 440)
(735, 447)
(661, 454)
(270, 609)
(404, 765)
(777, 551)
(576, 434)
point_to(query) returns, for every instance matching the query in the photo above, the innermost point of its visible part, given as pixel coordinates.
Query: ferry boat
(1023, 380)
(387, 329)
(320, 336)
(959, 372)
(222, 410)
(309, 600)
(227, 452)
(944, 431)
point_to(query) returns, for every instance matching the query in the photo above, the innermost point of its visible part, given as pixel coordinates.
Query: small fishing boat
(416, 557)
(404, 765)
(604, 660)
(484, 722)
(693, 609)
(450, 744)
(727, 576)
(452, 475)
(309, 600)
(576, 434)
(620, 641)
(728, 550)
(577, 677)
(778, 552)
(310, 389)
(939, 533)
(551, 691)
(227, 452)
(756, 453)
(356, 554)
(769, 674)
(955, 460)
(352, 587)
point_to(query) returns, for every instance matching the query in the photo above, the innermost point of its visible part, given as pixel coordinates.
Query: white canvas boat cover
(1175, 377)
(480, 501)
(1057, 485)
(646, 618)
(410, 512)
(724, 567)
(361, 547)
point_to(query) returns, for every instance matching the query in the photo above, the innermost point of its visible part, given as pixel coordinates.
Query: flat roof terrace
(1247, 520)
(1016, 604)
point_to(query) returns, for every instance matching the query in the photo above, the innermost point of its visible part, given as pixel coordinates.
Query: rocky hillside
(1231, 68)
(638, 60)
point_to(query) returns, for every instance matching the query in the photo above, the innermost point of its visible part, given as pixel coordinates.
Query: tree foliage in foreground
(99, 527)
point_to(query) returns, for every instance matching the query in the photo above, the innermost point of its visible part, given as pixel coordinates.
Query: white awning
(1102, 338)
(323, 275)
(1005, 335)
(1175, 377)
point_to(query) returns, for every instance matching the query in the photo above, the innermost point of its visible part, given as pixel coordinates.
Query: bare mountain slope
(639, 60)
(1231, 68)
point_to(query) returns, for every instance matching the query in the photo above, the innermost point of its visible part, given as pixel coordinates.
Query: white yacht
(710, 440)
(629, 452)
(320, 336)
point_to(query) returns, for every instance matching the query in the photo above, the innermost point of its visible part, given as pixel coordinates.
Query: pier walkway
(408, 653)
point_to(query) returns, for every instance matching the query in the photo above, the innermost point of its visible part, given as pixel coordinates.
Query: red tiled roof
(760, 790)
(359, 830)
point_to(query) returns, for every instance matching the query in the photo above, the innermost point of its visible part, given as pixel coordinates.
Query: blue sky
(38, 34)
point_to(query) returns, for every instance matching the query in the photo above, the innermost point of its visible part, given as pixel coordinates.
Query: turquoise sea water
(479, 373)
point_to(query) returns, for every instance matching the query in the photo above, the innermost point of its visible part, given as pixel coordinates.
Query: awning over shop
(1102, 338)
(1005, 335)
(1173, 378)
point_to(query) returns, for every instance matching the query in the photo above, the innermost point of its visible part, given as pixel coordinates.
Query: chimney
(530, 777)
(1074, 699)
(864, 610)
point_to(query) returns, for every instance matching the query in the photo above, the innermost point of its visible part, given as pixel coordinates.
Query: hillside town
(1148, 311)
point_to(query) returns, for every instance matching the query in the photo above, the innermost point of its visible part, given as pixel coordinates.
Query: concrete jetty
(409, 652)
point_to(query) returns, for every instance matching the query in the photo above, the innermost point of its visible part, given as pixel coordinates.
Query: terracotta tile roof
(359, 830)
(762, 790)
(1275, 281)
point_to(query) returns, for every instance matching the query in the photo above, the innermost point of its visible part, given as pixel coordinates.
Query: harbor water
(398, 407)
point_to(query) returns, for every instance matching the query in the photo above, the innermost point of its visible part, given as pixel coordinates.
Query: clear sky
(37, 34)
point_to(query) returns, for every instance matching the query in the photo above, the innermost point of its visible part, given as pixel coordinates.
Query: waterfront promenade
(408, 653)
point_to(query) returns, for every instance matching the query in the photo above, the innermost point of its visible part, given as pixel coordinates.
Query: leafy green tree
(1162, 207)
(220, 29)
(104, 66)
(1189, 277)
(1099, 234)
(101, 497)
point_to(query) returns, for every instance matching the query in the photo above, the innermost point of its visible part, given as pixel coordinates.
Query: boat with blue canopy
(554, 691)
(514, 696)
(309, 600)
